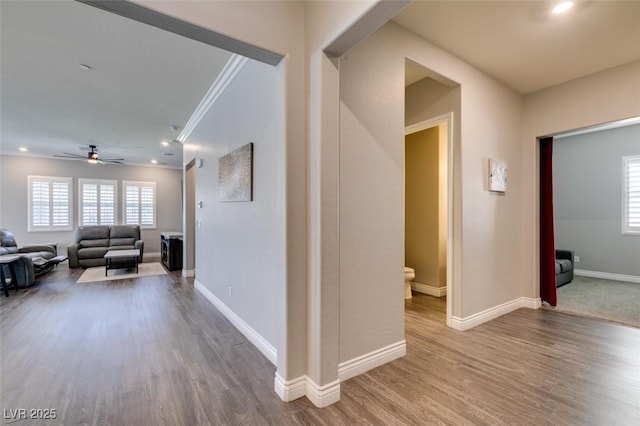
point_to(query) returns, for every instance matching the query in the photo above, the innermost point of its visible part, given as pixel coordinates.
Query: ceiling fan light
(92, 161)
(562, 7)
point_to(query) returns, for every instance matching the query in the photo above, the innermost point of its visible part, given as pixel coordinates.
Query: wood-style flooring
(153, 351)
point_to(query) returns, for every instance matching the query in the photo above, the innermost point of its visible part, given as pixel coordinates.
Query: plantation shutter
(632, 194)
(40, 204)
(61, 202)
(140, 204)
(49, 203)
(147, 208)
(89, 204)
(97, 202)
(108, 204)
(132, 203)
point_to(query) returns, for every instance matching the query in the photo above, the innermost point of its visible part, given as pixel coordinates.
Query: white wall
(587, 189)
(14, 201)
(599, 98)
(277, 27)
(240, 245)
(427, 98)
(308, 320)
(371, 205)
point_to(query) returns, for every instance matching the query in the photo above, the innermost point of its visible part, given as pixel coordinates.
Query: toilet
(409, 274)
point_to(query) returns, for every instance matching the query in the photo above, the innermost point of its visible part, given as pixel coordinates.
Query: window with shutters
(139, 204)
(97, 201)
(50, 203)
(631, 195)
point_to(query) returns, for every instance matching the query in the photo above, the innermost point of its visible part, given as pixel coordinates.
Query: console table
(171, 250)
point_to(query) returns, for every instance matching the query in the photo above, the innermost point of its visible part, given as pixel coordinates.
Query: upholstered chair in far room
(564, 267)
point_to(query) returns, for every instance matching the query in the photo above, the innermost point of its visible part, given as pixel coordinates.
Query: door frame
(427, 124)
(189, 220)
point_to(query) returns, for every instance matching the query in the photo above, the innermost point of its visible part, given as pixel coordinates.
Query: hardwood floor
(153, 351)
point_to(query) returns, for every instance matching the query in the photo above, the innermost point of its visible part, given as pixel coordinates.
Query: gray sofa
(93, 242)
(34, 260)
(564, 267)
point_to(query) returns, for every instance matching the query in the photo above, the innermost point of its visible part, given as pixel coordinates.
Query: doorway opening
(594, 172)
(428, 224)
(189, 225)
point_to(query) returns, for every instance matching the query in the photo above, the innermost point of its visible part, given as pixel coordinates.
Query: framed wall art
(497, 175)
(235, 175)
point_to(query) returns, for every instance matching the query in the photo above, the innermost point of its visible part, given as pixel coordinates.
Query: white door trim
(427, 124)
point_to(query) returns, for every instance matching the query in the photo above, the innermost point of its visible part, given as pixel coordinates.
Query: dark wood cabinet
(171, 250)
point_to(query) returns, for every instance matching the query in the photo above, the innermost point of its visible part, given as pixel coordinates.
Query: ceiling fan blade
(68, 155)
(112, 159)
(109, 161)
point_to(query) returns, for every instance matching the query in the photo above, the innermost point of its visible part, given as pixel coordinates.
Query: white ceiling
(522, 44)
(143, 80)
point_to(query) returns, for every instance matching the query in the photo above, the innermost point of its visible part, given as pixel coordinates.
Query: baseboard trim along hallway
(253, 336)
(320, 396)
(497, 311)
(366, 362)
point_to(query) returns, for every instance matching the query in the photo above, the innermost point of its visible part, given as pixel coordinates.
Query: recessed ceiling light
(164, 143)
(85, 67)
(562, 7)
(23, 149)
(154, 161)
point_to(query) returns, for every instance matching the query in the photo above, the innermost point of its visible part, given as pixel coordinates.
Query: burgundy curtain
(547, 238)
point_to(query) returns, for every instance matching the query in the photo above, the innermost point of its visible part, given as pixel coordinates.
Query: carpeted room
(596, 217)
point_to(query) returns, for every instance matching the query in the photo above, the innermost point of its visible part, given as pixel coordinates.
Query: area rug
(614, 301)
(144, 270)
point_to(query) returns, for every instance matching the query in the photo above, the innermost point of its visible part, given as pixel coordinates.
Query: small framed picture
(497, 175)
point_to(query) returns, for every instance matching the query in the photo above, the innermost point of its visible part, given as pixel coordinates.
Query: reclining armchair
(564, 267)
(34, 260)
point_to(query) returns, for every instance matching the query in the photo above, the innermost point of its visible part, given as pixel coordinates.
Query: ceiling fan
(92, 157)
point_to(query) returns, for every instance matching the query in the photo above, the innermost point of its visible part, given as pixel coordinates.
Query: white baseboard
(430, 290)
(495, 312)
(188, 273)
(323, 396)
(530, 302)
(320, 396)
(359, 365)
(291, 389)
(607, 276)
(253, 336)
